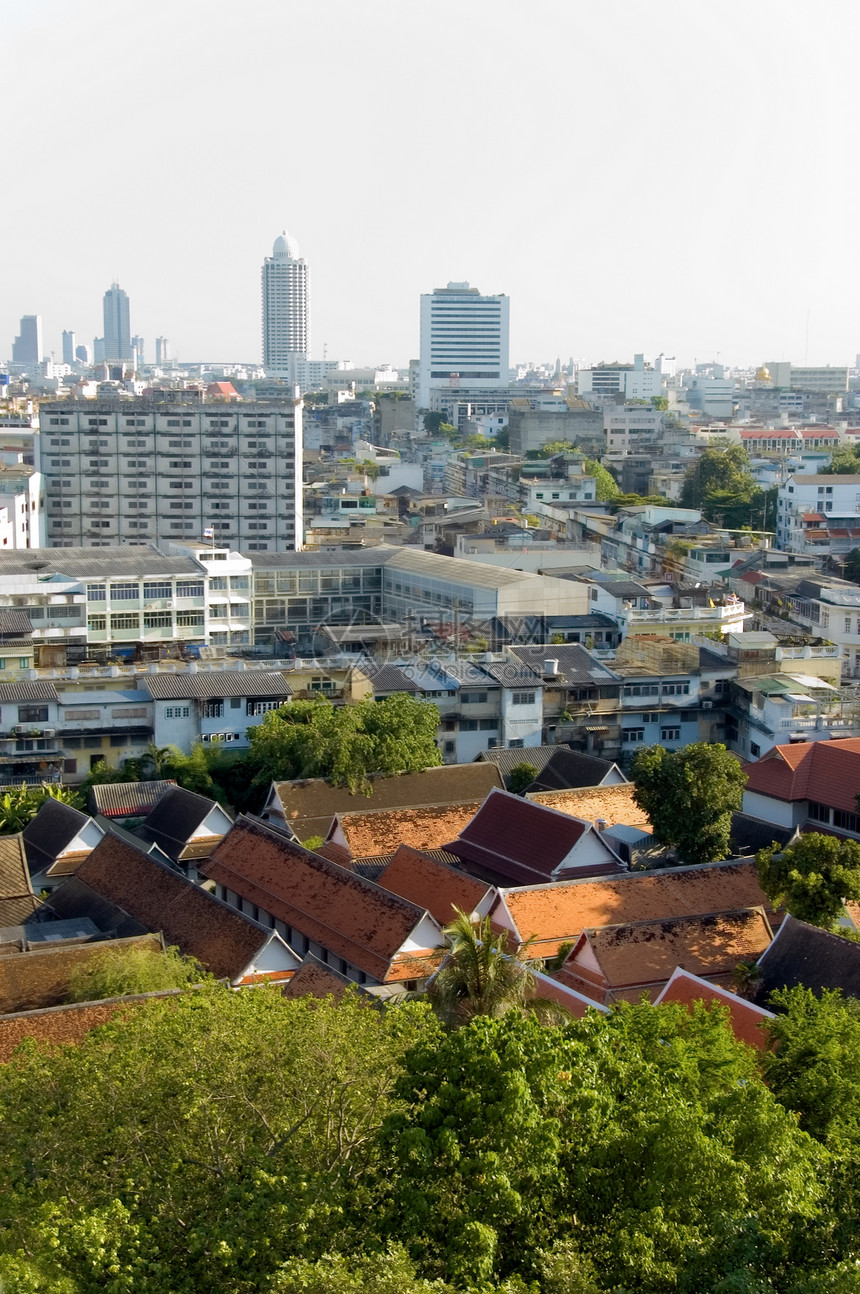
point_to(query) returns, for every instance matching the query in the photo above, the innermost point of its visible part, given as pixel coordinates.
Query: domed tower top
(285, 248)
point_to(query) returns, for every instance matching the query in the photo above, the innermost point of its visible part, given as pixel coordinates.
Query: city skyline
(634, 198)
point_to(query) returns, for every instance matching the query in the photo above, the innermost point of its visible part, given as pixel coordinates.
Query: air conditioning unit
(49, 732)
(707, 705)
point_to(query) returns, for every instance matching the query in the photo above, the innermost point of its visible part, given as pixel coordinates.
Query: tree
(481, 976)
(348, 744)
(720, 467)
(432, 423)
(21, 804)
(813, 1063)
(120, 971)
(503, 438)
(606, 486)
(391, 1272)
(690, 796)
(521, 776)
(844, 461)
(852, 563)
(811, 877)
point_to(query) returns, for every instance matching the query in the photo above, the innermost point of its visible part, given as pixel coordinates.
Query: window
(632, 735)
(670, 734)
(124, 592)
(189, 588)
(847, 821)
(473, 698)
(651, 716)
(261, 707)
(189, 619)
(157, 589)
(676, 689)
(32, 714)
(819, 812)
(97, 623)
(157, 620)
(176, 711)
(642, 689)
(128, 620)
(212, 710)
(522, 698)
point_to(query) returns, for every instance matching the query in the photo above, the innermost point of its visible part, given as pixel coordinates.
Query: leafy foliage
(606, 486)
(521, 776)
(346, 743)
(844, 461)
(690, 795)
(119, 971)
(20, 806)
(721, 484)
(811, 877)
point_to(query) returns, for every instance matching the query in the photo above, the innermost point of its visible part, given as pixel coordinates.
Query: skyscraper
(27, 346)
(68, 346)
(117, 328)
(137, 345)
(286, 335)
(162, 350)
(464, 340)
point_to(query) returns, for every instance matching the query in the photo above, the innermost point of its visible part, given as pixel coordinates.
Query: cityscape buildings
(69, 347)
(285, 299)
(117, 330)
(27, 346)
(464, 341)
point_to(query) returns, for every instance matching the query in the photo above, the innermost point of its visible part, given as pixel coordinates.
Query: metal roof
(96, 563)
(576, 665)
(330, 559)
(250, 683)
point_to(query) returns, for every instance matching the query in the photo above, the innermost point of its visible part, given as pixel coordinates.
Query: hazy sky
(676, 176)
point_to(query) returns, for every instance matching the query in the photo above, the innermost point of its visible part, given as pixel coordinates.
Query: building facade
(27, 346)
(286, 330)
(117, 329)
(464, 340)
(143, 472)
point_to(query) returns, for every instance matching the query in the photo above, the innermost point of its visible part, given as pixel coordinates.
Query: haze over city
(633, 177)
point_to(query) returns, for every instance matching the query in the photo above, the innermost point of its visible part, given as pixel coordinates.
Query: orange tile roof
(558, 913)
(350, 916)
(614, 804)
(826, 771)
(745, 1018)
(643, 954)
(314, 979)
(431, 884)
(382, 831)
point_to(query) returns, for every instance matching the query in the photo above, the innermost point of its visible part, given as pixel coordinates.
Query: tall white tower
(286, 334)
(116, 323)
(464, 340)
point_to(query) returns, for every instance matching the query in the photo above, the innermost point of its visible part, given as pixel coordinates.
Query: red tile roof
(812, 516)
(556, 914)
(58, 1025)
(375, 832)
(352, 917)
(517, 839)
(825, 771)
(432, 885)
(745, 1018)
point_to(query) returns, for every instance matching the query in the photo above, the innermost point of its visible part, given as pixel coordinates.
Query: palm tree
(479, 976)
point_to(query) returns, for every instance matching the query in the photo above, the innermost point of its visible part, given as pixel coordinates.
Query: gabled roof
(315, 979)
(14, 622)
(381, 831)
(555, 914)
(613, 804)
(568, 768)
(340, 910)
(28, 690)
(644, 953)
(523, 842)
(388, 678)
(746, 1019)
(216, 683)
(431, 884)
(127, 799)
(51, 831)
(17, 901)
(507, 757)
(225, 941)
(825, 771)
(308, 806)
(816, 959)
(173, 821)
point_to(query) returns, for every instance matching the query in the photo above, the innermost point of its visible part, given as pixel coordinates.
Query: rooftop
(805, 955)
(221, 683)
(95, 563)
(127, 799)
(746, 1019)
(824, 771)
(380, 831)
(613, 804)
(432, 884)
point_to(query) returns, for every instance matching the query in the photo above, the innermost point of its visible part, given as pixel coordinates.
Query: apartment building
(819, 515)
(141, 472)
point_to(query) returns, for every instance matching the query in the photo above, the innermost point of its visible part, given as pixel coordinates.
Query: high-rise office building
(137, 346)
(83, 354)
(162, 350)
(117, 329)
(464, 340)
(286, 332)
(27, 346)
(68, 347)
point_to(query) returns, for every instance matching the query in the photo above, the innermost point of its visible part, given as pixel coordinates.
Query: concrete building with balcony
(818, 515)
(142, 471)
(212, 706)
(779, 709)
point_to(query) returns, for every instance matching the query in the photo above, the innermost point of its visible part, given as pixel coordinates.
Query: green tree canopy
(20, 805)
(521, 776)
(811, 877)
(346, 743)
(690, 796)
(606, 486)
(844, 461)
(120, 971)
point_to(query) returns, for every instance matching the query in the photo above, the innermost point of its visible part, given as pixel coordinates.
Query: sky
(669, 177)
